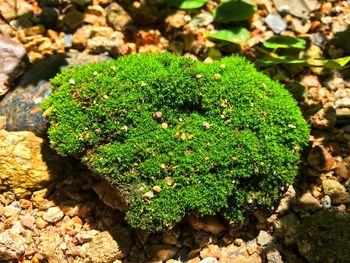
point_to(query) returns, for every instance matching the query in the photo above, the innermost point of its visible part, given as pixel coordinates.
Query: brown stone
(22, 163)
(209, 224)
(117, 17)
(162, 252)
(320, 159)
(336, 191)
(211, 251)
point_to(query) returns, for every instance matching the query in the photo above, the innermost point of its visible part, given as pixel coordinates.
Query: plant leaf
(285, 42)
(186, 4)
(269, 61)
(234, 35)
(337, 63)
(234, 10)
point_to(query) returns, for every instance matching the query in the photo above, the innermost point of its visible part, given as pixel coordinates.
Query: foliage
(285, 42)
(235, 35)
(178, 136)
(187, 4)
(234, 10)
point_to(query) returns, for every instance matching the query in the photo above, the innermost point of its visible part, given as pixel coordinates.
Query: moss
(179, 136)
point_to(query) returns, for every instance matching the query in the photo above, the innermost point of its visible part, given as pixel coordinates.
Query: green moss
(230, 146)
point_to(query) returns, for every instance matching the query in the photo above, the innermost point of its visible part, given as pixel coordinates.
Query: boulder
(25, 164)
(12, 62)
(21, 106)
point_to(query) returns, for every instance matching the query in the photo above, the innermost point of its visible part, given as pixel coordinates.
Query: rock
(273, 256)
(286, 228)
(86, 236)
(81, 36)
(307, 202)
(73, 19)
(27, 221)
(81, 2)
(325, 118)
(211, 251)
(209, 224)
(325, 237)
(112, 44)
(320, 159)
(209, 260)
(25, 163)
(286, 200)
(343, 168)
(10, 211)
(53, 214)
(11, 9)
(264, 238)
(201, 20)
(117, 17)
(12, 245)
(336, 191)
(177, 19)
(275, 22)
(171, 236)
(106, 247)
(343, 102)
(162, 252)
(12, 62)
(110, 196)
(326, 202)
(21, 106)
(235, 254)
(298, 8)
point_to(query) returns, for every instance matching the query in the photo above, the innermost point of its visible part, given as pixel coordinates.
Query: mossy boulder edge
(178, 136)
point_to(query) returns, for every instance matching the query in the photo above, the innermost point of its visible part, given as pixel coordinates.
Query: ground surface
(67, 221)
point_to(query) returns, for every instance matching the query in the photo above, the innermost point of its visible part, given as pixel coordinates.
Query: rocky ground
(53, 210)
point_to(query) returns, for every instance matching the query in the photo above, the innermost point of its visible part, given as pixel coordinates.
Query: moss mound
(178, 136)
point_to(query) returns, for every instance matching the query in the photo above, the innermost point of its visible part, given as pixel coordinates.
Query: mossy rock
(178, 136)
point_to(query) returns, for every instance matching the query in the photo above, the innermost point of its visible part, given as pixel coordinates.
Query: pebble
(209, 224)
(264, 238)
(53, 214)
(209, 260)
(86, 236)
(275, 22)
(343, 102)
(27, 221)
(320, 159)
(211, 251)
(336, 191)
(162, 252)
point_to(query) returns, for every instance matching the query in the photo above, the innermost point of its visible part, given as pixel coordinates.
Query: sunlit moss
(178, 136)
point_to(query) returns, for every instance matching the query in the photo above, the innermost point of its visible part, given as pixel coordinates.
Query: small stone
(86, 236)
(171, 236)
(112, 44)
(273, 256)
(164, 125)
(264, 238)
(297, 8)
(10, 211)
(343, 102)
(27, 221)
(326, 202)
(12, 245)
(202, 239)
(217, 76)
(209, 224)
(211, 251)
(206, 125)
(336, 191)
(148, 195)
(53, 214)
(117, 17)
(238, 242)
(158, 115)
(73, 19)
(40, 223)
(177, 19)
(320, 159)
(107, 246)
(340, 93)
(275, 22)
(325, 118)
(343, 169)
(162, 252)
(307, 202)
(156, 189)
(209, 260)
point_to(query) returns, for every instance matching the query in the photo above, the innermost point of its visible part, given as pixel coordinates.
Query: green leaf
(234, 10)
(285, 42)
(269, 61)
(337, 63)
(234, 35)
(186, 4)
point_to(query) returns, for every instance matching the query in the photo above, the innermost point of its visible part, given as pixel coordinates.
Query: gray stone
(86, 236)
(276, 23)
(53, 214)
(112, 44)
(336, 191)
(286, 228)
(325, 237)
(299, 8)
(264, 238)
(12, 62)
(326, 202)
(21, 106)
